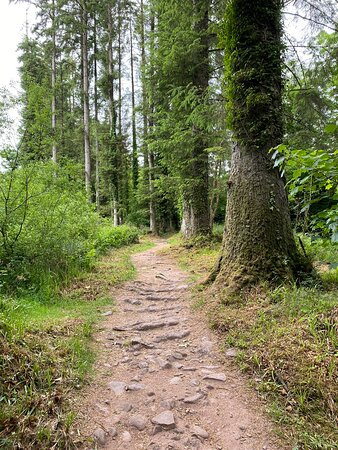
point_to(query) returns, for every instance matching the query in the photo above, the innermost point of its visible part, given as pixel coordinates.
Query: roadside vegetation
(59, 262)
(46, 352)
(285, 339)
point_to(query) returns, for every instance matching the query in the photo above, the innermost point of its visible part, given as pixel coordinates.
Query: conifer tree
(258, 239)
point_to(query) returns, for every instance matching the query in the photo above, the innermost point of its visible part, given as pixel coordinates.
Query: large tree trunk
(258, 239)
(196, 219)
(86, 117)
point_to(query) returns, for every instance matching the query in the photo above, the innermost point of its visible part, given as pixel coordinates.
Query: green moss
(252, 41)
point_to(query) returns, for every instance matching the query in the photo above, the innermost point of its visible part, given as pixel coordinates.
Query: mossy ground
(286, 340)
(46, 353)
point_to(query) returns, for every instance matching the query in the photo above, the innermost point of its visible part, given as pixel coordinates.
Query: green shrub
(321, 250)
(48, 229)
(115, 237)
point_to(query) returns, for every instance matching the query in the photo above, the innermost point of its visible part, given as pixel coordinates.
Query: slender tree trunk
(134, 154)
(122, 198)
(97, 144)
(214, 200)
(151, 156)
(112, 121)
(86, 116)
(120, 69)
(144, 101)
(54, 148)
(62, 107)
(196, 220)
(258, 240)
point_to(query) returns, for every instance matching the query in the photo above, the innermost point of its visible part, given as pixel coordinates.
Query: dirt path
(162, 383)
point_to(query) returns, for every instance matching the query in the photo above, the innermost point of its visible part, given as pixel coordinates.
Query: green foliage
(311, 95)
(188, 114)
(46, 225)
(313, 187)
(48, 230)
(321, 249)
(109, 237)
(36, 136)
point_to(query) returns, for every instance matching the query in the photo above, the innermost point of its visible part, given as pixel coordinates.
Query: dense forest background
(126, 103)
(161, 116)
(113, 90)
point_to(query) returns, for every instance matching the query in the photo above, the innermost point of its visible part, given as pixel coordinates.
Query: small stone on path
(118, 387)
(231, 353)
(167, 404)
(138, 421)
(100, 436)
(126, 407)
(137, 378)
(164, 364)
(171, 337)
(165, 419)
(215, 377)
(193, 398)
(126, 436)
(199, 432)
(135, 387)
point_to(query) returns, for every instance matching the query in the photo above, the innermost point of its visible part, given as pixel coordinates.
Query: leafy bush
(313, 189)
(48, 229)
(109, 237)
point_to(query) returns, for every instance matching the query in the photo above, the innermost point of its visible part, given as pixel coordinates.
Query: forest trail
(160, 381)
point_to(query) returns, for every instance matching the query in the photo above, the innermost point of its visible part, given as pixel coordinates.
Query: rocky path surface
(161, 381)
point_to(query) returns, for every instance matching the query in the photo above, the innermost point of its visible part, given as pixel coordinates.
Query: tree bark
(54, 147)
(133, 119)
(214, 200)
(114, 186)
(86, 114)
(196, 220)
(144, 100)
(151, 157)
(120, 68)
(258, 239)
(96, 112)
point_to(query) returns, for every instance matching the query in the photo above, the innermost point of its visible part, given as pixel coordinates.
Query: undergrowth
(45, 353)
(286, 340)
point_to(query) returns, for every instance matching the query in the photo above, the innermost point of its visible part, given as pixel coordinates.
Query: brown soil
(155, 354)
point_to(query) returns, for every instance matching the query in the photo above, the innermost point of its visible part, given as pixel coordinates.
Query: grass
(198, 261)
(286, 340)
(45, 353)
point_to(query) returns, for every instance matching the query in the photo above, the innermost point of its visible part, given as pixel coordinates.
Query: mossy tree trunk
(258, 239)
